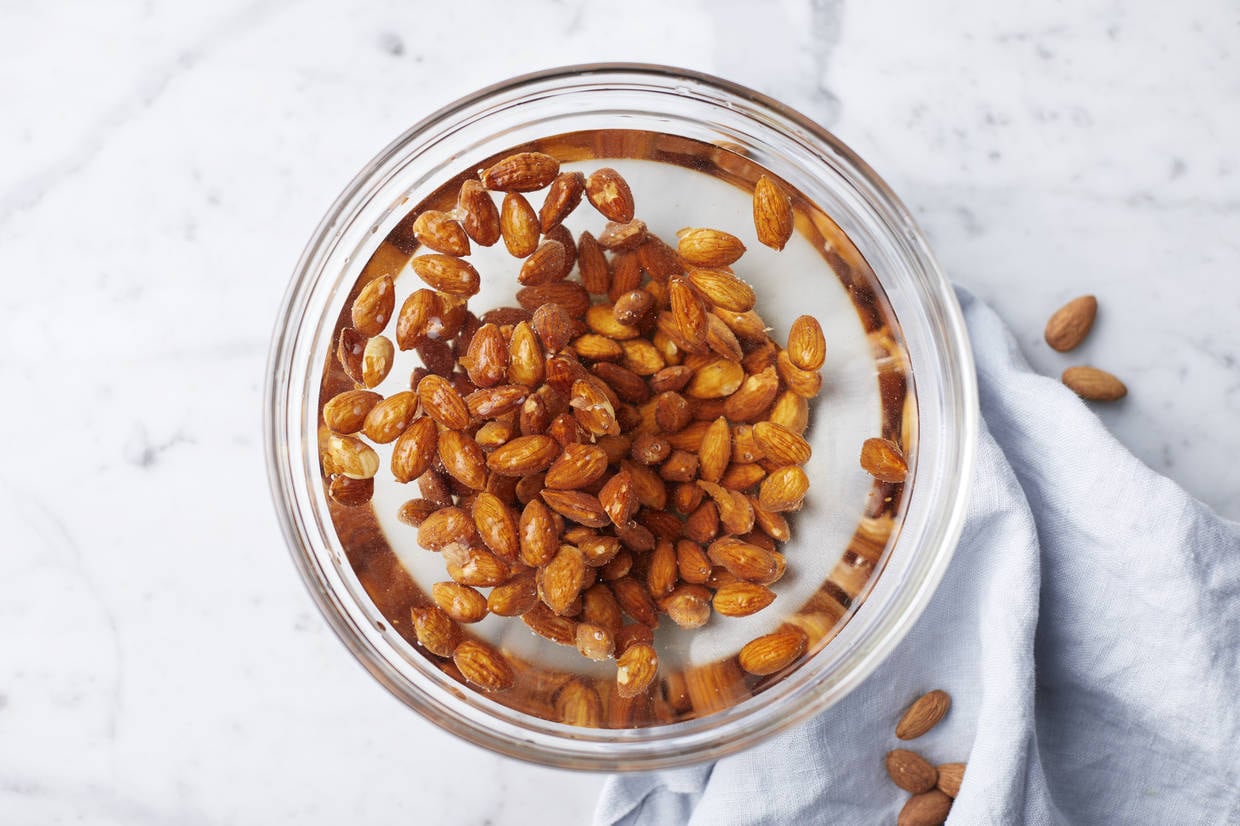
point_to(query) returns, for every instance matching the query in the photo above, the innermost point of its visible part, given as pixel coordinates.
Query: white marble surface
(161, 165)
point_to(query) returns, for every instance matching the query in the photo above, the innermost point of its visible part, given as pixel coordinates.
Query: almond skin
(927, 809)
(636, 669)
(446, 273)
(476, 567)
(524, 455)
(349, 349)
(442, 403)
(483, 666)
(444, 527)
(421, 310)
(772, 652)
(414, 450)
(746, 561)
(561, 579)
(708, 248)
(521, 172)
(923, 715)
(610, 195)
(350, 457)
(951, 775)
(496, 524)
(576, 506)
(883, 459)
(377, 360)
(463, 459)
(372, 309)
(780, 444)
(687, 311)
(1093, 384)
(518, 225)
(525, 363)
(740, 599)
(486, 358)
(910, 771)
(544, 265)
(592, 264)
(460, 602)
(578, 466)
(807, 347)
(346, 412)
(481, 221)
(723, 289)
(784, 489)
(772, 214)
(1069, 325)
(572, 297)
(595, 642)
(437, 632)
(563, 196)
(440, 232)
(351, 492)
(537, 535)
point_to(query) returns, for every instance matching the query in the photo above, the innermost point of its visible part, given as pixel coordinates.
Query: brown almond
(486, 358)
(537, 534)
(599, 550)
(493, 402)
(513, 598)
(780, 444)
(716, 380)
(1093, 384)
(594, 411)
(419, 315)
(346, 412)
(481, 217)
(350, 457)
(563, 196)
(707, 248)
(463, 459)
(723, 289)
(442, 403)
(1069, 325)
(525, 364)
(742, 476)
(414, 450)
(350, 347)
(377, 358)
(594, 347)
(547, 624)
(389, 418)
(807, 347)
(496, 524)
(650, 449)
(521, 172)
(926, 809)
(524, 455)
(745, 560)
(748, 326)
(772, 524)
(722, 340)
(791, 411)
(735, 512)
(753, 398)
(662, 573)
(883, 459)
(681, 466)
(641, 357)
(475, 567)
(610, 194)
(910, 771)
(372, 309)
(576, 506)
(688, 606)
(740, 599)
(594, 641)
(440, 232)
(460, 602)
(622, 236)
(773, 652)
(659, 260)
(806, 383)
(351, 492)
(632, 307)
(692, 563)
(649, 489)
(636, 669)
(924, 714)
(716, 450)
(567, 294)
(951, 775)
(437, 632)
(599, 607)
(635, 599)
(687, 311)
(579, 466)
(560, 580)
(592, 264)
(445, 527)
(618, 499)
(518, 225)
(544, 265)
(553, 326)
(626, 274)
(772, 214)
(634, 633)
(446, 273)
(784, 489)
(628, 386)
(483, 666)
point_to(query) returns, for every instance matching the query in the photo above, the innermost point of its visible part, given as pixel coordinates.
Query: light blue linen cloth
(1088, 630)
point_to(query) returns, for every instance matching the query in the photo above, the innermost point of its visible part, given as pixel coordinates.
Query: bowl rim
(701, 746)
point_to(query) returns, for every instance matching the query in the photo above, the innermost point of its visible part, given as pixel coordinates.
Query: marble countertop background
(161, 166)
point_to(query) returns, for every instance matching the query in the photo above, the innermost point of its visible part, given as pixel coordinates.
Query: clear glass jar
(939, 420)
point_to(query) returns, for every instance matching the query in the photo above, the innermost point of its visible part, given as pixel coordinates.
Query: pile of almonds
(619, 446)
(933, 788)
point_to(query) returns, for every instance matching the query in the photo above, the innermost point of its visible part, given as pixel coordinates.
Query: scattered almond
(910, 771)
(1093, 384)
(923, 715)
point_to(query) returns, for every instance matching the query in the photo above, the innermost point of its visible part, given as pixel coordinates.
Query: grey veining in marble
(161, 165)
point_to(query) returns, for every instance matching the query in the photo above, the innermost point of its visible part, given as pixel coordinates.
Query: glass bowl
(904, 371)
